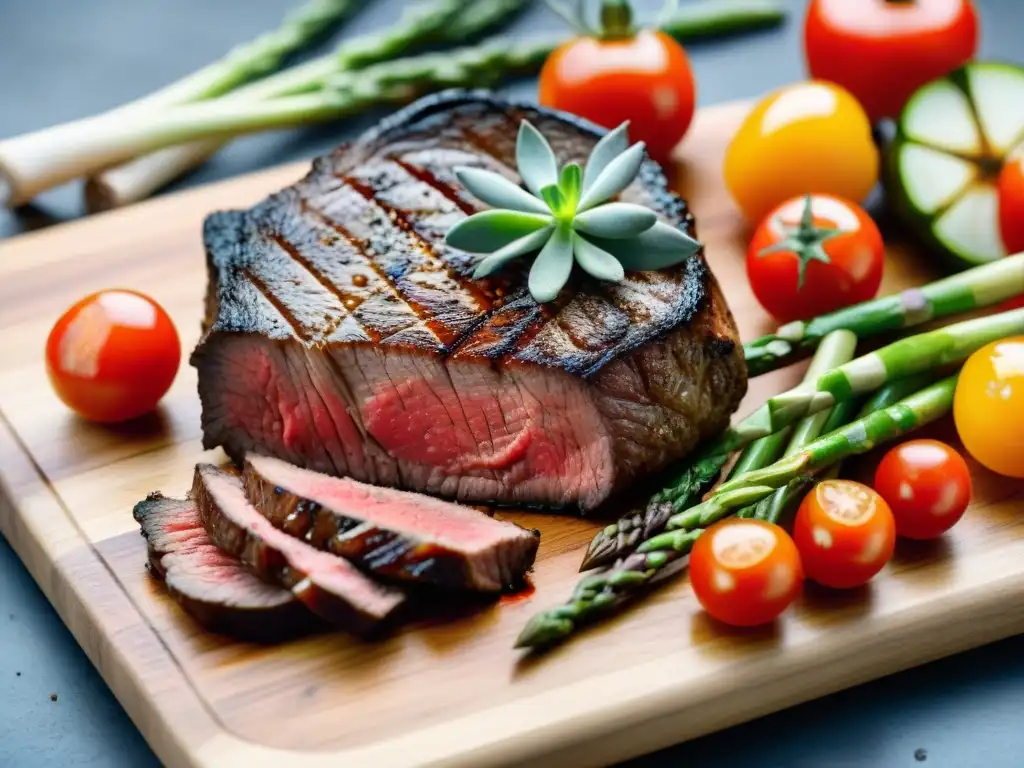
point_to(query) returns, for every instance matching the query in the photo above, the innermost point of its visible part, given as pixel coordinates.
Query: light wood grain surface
(452, 693)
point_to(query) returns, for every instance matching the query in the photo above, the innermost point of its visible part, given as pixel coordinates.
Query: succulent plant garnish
(564, 216)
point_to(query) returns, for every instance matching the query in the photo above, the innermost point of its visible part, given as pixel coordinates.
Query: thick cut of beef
(214, 588)
(343, 335)
(329, 586)
(400, 535)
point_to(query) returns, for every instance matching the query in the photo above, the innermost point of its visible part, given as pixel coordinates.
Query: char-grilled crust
(364, 236)
(337, 316)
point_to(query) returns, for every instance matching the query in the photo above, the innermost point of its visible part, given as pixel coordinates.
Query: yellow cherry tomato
(809, 138)
(988, 406)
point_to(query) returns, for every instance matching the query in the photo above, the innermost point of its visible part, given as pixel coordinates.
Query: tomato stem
(616, 19)
(807, 241)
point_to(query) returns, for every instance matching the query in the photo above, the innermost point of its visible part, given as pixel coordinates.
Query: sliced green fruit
(997, 91)
(965, 227)
(940, 116)
(934, 179)
(941, 170)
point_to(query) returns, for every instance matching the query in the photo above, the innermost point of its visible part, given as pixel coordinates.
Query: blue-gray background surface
(62, 59)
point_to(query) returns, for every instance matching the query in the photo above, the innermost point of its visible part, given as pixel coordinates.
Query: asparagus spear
(807, 429)
(442, 22)
(602, 593)
(972, 289)
(299, 29)
(907, 357)
(34, 162)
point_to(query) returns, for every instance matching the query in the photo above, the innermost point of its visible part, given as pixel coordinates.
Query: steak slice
(329, 586)
(214, 588)
(391, 533)
(343, 335)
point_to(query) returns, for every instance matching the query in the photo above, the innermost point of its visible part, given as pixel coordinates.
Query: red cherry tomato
(845, 533)
(839, 253)
(927, 485)
(113, 355)
(884, 50)
(1011, 204)
(745, 572)
(644, 78)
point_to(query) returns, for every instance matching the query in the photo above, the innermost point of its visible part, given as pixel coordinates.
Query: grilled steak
(329, 586)
(392, 533)
(344, 336)
(212, 587)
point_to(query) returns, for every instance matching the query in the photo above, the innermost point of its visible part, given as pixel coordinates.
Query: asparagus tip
(543, 629)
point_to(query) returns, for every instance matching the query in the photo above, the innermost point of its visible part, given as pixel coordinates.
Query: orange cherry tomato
(988, 406)
(927, 485)
(845, 533)
(113, 355)
(644, 78)
(1011, 204)
(884, 50)
(804, 139)
(745, 572)
(800, 268)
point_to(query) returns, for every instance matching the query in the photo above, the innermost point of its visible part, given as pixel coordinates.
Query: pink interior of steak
(193, 566)
(417, 515)
(330, 572)
(461, 429)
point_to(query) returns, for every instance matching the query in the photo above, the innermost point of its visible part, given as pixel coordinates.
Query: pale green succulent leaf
(595, 261)
(552, 267)
(554, 198)
(535, 159)
(659, 247)
(570, 184)
(618, 175)
(490, 230)
(617, 221)
(497, 191)
(513, 250)
(607, 149)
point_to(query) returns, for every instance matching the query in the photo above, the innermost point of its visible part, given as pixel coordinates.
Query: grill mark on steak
(428, 178)
(329, 586)
(348, 301)
(392, 533)
(282, 309)
(212, 587)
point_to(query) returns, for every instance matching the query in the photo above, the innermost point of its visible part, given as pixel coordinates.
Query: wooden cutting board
(453, 693)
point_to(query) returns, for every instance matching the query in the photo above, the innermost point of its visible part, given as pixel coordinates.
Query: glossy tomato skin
(645, 79)
(113, 355)
(803, 139)
(853, 274)
(882, 51)
(927, 485)
(1011, 204)
(845, 533)
(988, 406)
(745, 572)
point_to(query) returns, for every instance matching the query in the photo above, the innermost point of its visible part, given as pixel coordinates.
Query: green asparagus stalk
(261, 56)
(602, 593)
(975, 288)
(907, 357)
(443, 22)
(32, 163)
(808, 429)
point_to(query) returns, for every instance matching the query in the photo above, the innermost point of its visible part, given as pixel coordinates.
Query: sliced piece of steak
(329, 586)
(343, 335)
(217, 590)
(400, 535)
